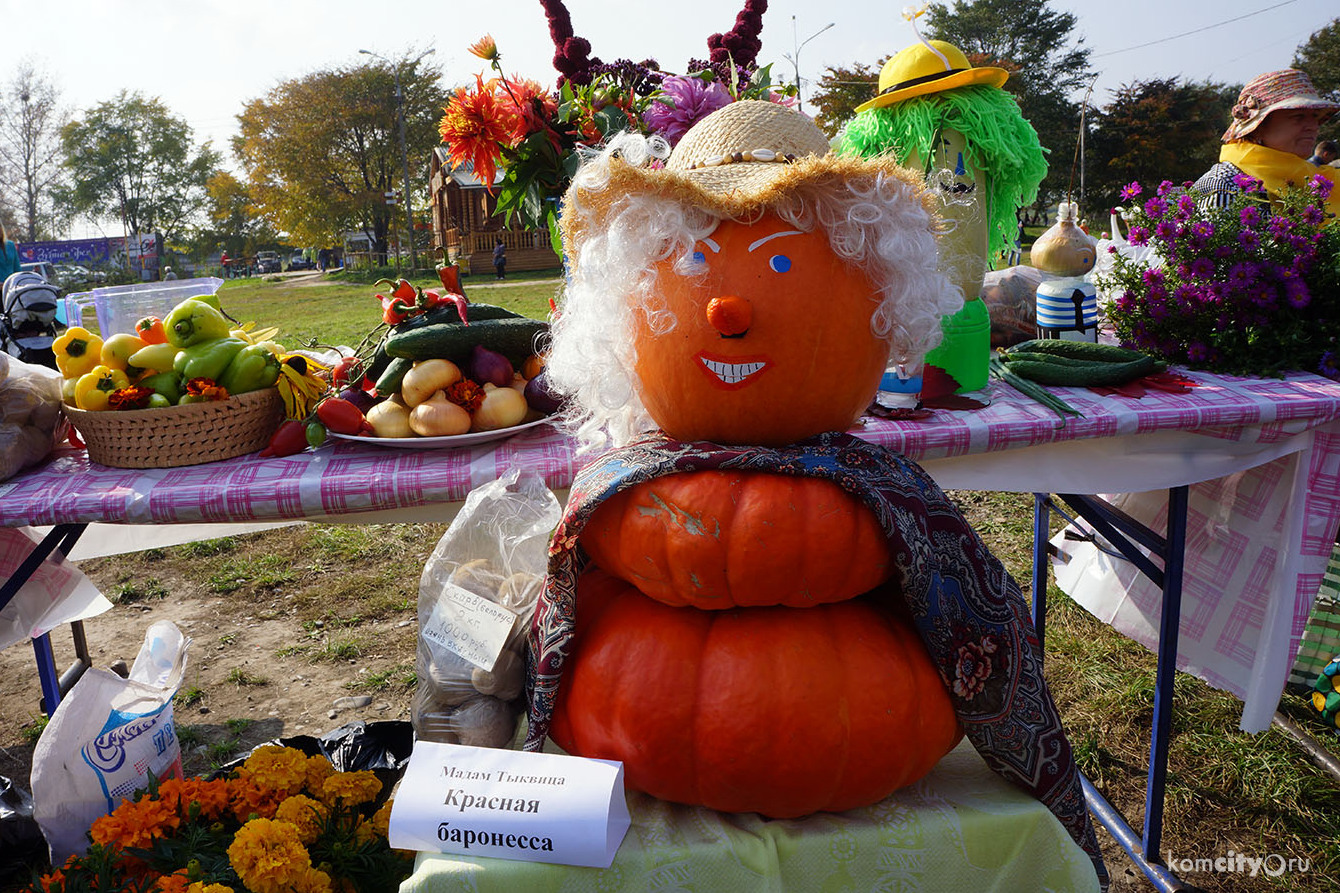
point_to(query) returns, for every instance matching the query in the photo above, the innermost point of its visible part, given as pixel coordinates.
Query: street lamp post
(404, 154)
(795, 58)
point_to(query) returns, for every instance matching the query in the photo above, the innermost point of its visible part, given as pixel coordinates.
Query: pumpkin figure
(748, 606)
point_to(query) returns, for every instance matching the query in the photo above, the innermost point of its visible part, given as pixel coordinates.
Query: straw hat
(737, 162)
(929, 67)
(1272, 92)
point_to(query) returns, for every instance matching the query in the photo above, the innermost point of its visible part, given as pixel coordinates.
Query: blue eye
(699, 257)
(779, 263)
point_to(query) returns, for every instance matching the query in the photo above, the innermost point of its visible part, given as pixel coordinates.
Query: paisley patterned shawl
(969, 612)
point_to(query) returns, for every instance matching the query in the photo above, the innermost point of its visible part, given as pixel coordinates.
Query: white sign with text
(508, 804)
(469, 626)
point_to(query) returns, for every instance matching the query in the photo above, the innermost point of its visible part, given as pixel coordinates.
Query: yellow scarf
(1278, 169)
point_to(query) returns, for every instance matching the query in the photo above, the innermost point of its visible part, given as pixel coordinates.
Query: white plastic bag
(31, 422)
(105, 738)
(476, 599)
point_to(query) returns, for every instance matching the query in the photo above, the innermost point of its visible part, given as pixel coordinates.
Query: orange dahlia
(476, 126)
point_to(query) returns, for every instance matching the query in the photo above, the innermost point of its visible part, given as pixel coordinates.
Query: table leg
(1123, 532)
(62, 537)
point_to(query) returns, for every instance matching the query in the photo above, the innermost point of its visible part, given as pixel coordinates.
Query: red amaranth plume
(572, 56)
(741, 43)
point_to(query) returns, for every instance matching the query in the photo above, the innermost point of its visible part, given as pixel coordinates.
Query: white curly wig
(880, 224)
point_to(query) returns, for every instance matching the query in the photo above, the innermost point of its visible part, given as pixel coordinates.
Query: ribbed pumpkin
(722, 539)
(771, 344)
(780, 711)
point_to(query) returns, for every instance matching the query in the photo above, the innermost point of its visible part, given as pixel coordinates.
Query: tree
(320, 152)
(130, 159)
(235, 224)
(1319, 57)
(1033, 43)
(840, 91)
(30, 122)
(1153, 131)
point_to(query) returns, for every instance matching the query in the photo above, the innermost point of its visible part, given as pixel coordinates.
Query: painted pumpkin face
(771, 346)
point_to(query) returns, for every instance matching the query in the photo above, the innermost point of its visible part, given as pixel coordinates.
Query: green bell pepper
(254, 367)
(207, 359)
(167, 384)
(193, 321)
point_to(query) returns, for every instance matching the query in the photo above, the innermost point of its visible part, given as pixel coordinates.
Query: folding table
(1257, 455)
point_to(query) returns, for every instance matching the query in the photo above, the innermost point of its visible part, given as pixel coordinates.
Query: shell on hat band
(760, 155)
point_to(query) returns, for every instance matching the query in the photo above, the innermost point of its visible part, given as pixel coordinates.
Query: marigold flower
(318, 770)
(269, 858)
(305, 814)
(465, 394)
(486, 48)
(280, 769)
(133, 397)
(249, 799)
(207, 388)
(351, 788)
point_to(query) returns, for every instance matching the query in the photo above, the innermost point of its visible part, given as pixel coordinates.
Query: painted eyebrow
(789, 232)
(716, 249)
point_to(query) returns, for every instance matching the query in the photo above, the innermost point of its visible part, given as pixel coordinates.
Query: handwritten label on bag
(508, 804)
(469, 625)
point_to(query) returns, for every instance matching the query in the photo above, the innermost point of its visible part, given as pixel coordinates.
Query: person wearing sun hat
(939, 113)
(656, 240)
(1272, 132)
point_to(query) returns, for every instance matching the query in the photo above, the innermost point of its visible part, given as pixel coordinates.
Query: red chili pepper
(290, 438)
(339, 415)
(348, 371)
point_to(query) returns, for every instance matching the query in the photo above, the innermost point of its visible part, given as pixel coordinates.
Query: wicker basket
(180, 435)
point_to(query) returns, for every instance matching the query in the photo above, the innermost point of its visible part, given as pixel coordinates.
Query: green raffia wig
(1000, 142)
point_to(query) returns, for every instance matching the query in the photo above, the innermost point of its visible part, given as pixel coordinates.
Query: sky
(205, 59)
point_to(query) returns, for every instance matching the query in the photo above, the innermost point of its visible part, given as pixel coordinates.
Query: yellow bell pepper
(95, 387)
(116, 352)
(67, 391)
(77, 351)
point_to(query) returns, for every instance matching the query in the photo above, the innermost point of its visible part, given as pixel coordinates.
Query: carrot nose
(730, 315)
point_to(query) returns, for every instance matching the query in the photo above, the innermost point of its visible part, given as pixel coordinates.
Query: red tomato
(339, 415)
(347, 371)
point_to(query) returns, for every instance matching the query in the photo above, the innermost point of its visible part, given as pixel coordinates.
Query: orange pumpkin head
(772, 341)
(781, 711)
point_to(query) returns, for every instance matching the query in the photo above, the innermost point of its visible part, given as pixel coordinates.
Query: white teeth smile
(732, 373)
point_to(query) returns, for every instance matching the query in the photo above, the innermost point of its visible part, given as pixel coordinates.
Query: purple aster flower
(1241, 275)
(1138, 235)
(1202, 268)
(1329, 365)
(683, 101)
(1186, 206)
(1246, 182)
(1203, 228)
(1322, 186)
(1296, 293)
(1130, 191)
(1279, 226)
(1313, 216)
(1166, 187)
(1166, 230)
(1198, 352)
(1156, 208)
(1250, 215)
(1249, 239)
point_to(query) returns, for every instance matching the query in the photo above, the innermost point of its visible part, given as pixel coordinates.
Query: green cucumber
(379, 361)
(446, 313)
(1083, 376)
(389, 380)
(517, 339)
(1079, 350)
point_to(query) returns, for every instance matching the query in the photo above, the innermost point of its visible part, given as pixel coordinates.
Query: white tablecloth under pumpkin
(961, 828)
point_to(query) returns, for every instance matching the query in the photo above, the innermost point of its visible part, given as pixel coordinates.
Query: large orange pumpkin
(781, 711)
(722, 539)
(772, 344)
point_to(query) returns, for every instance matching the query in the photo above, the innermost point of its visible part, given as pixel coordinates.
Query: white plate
(438, 443)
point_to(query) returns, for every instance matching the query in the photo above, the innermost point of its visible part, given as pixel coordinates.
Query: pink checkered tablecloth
(1263, 456)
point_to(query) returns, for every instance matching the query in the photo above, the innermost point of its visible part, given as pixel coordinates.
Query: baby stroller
(28, 323)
